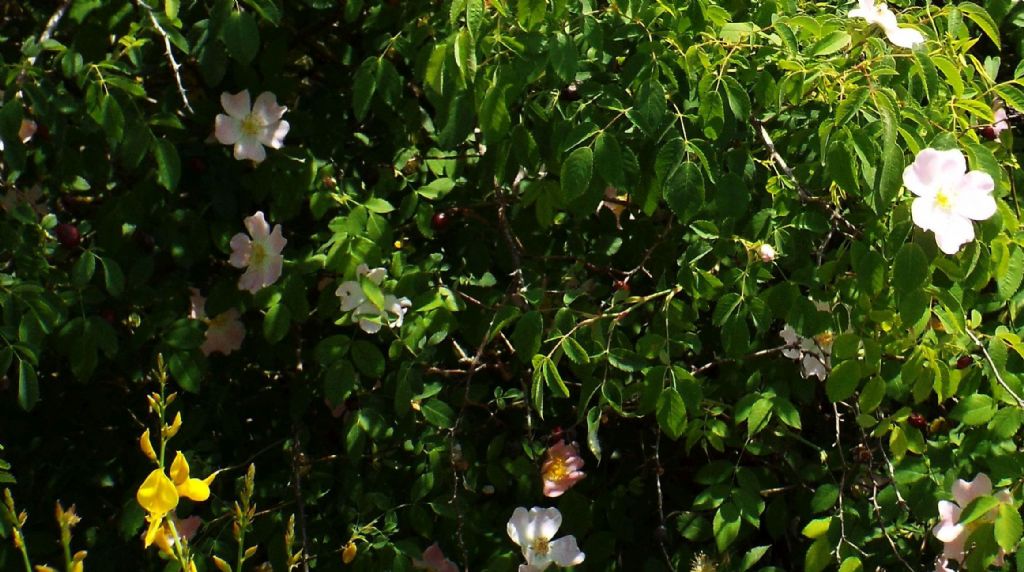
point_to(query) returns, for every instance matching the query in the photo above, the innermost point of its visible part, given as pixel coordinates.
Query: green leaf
(975, 409)
(931, 76)
(276, 323)
(113, 278)
(28, 386)
(981, 17)
(339, 381)
(241, 35)
(84, 269)
(185, 371)
(562, 56)
(267, 9)
(494, 118)
(649, 108)
(1012, 95)
(574, 351)
(368, 358)
(1008, 280)
(364, 85)
(593, 424)
(577, 171)
(830, 44)
(530, 13)
(436, 189)
(112, 120)
(475, 16)
(818, 556)
(726, 525)
(1008, 527)
(739, 101)
(978, 508)
(684, 191)
(910, 270)
(849, 107)
(842, 381)
(608, 159)
(526, 337)
(168, 164)
(872, 394)
(438, 413)
(851, 564)
(671, 413)
(171, 8)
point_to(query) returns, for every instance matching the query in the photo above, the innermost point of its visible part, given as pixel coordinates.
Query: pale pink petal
(225, 334)
(237, 105)
(257, 226)
(276, 242)
(975, 200)
(547, 521)
(187, 527)
(273, 135)
(932, 168)
(518, 527)
(565, 552)
(966, 491)
(947, 530)
(267, 109)
(227, 130)
(250, 281)
(250, 148)
(999, 121)
(241, 250)
(272, 271)
(941, 565)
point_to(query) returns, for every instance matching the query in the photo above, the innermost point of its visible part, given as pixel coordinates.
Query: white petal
(926, 214)
(236, 105)
(904, 37)
(947, 529)
(369, 326)
(351, 295)
(975, 200)
(276, 242)
(789, 335)
(518, 527)
(376, 275)
(565, 552)
(273, 134)
(267, 109)
(241, 250)
(966, 491)
(227, 130)
(931, 168)
(955, 232)
(546, 521)
(250, 148)
(257, 226)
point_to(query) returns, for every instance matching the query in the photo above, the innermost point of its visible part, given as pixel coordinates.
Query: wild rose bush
(511, 285)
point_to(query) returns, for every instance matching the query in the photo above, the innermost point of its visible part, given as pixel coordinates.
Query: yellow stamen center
(541, 546)
(943, 200)
(259, 254)
(251, 125)
(824, 339)
(557, 470)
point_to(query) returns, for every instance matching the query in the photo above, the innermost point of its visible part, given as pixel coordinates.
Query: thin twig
(717, 362)
(299, 500)
(51, 27)
(175, 66)
(845, 226)
(662, 530)
(995, 370)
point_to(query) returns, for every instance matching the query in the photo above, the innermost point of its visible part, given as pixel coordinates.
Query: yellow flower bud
(221, 564)
(147, 446)
(78, 566)
(80, 556)
(349, 554)
(249, 552)
(45, 569)
(175, 426)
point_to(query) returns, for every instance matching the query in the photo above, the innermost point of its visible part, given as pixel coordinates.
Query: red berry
(918, 420)
(68, 235)
(330, 182)
(621, 285)
(441, 221)
(989, 132)
(964, 362)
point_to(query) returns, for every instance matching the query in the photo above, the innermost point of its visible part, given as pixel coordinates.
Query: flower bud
(766, 252)
(249, 552)
(221, 564)
(175, 426)
(349, 554)
(147, 446)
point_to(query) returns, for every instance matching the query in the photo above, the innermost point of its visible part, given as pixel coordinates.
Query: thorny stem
(175, 66)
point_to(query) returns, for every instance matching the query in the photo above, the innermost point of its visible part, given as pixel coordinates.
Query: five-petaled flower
(881, 16)
(434, 561)
(533, 531)
(159, 494)
(370, 316)
(224, 333)
(953, 534)
(249, 128)
(259, 253)
(948, 197)
(561, 469)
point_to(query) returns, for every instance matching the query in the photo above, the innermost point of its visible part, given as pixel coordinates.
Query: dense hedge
(711, 284)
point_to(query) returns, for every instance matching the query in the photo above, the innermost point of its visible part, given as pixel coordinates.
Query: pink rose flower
(561, 469)
(952, 534)
(434, 561)
(224, 333)
(259, 253)
(1000, 121)
(249, 128)
(948, 197)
